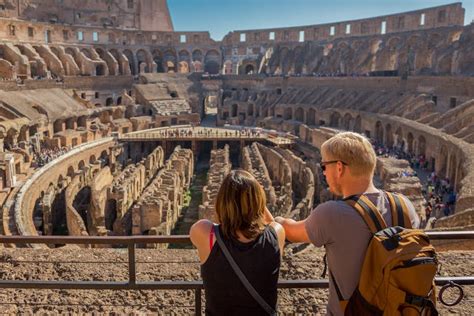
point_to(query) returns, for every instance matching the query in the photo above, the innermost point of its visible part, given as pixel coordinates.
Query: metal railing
(197, 286)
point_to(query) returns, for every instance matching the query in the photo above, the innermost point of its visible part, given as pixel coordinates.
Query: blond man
(348, 163)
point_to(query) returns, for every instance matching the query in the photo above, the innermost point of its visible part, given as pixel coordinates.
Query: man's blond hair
(353, 149)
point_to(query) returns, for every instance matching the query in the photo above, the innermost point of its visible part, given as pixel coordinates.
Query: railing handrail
(128, 240)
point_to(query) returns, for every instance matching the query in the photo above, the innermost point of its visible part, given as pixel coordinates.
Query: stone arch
(311, 117)
(71, 123)
(92, 159)
(115, 53)
(143, 61)
(442, 162)
(197, 55)
(298, 59)
(388, 135)
(71, 172)
(335, 119)
(212, 62)
(110, 214)
(170, 60)
(287, 113)
(58, 126)
(184, 55)
(410, 139)
(131, 61)
(81, 204)
(81, 165)
(379, 132)
(234, 110)
(58, 211)
(250, 109)
(158, 59)
(347, 122)
(109, 101)
(393, 42)
(399, 138)
(249, 69)
(299, 115)
(452, 168)
(110, 60)
(69, 51)
(38, 215)
(421, 146)
(24, 133)
(285, 60)
(87, 53)
(358, 124)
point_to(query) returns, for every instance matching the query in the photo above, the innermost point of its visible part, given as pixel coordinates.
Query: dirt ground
(71, 264)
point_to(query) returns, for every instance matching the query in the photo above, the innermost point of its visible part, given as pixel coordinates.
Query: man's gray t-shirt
(342, 230)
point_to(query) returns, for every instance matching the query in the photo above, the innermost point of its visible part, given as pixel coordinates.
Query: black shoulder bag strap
(240, 274)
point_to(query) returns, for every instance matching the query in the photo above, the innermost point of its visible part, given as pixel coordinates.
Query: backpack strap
(368, 211)
(399, 210)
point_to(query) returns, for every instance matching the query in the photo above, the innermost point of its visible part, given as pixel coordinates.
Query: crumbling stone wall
(158, 208)
(128, 187)
(220, 166)
(253, 162)
(88, 177)
(281, 176)
(302, 183)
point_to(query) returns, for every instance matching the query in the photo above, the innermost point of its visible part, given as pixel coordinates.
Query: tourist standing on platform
(348, 163)
(247, 233)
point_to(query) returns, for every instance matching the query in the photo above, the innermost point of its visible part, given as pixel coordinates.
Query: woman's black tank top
(259, 260)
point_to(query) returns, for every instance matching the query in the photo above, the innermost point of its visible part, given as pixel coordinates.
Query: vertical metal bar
(132, 276)
(197, 301)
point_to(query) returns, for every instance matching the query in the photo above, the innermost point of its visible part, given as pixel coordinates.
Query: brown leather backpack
(397, 276)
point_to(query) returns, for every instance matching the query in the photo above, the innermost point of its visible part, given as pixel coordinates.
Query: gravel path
(70, 264)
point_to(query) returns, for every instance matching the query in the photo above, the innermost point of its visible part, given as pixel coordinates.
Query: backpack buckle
(416, 300)
(391, 243)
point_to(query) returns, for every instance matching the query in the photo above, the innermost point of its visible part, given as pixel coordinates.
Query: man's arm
(295, 231)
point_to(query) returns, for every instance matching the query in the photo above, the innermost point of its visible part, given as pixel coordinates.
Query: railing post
(132, 276)
(197, 301)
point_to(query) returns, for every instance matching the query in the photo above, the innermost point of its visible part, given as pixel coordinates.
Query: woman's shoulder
(280, 233)
(200, 230)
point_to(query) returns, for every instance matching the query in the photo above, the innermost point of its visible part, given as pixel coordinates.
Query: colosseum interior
(114, 124)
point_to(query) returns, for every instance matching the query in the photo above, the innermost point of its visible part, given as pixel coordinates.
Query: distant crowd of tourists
(438, 191)
(207, 132)
(47, 155)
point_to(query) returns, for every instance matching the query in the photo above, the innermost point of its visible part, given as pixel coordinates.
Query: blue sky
(222, 16)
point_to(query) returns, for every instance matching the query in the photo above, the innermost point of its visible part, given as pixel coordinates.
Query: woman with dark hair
(254, 241)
